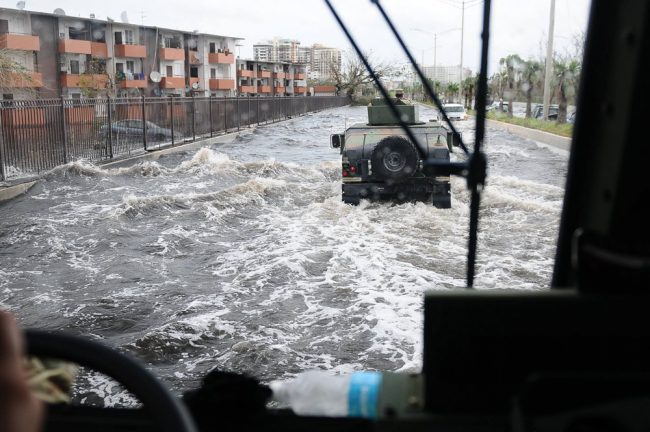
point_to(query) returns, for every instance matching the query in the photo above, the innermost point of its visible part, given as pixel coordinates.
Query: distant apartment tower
(81, 57)
(277, 50)
(445, 74)
(324, 60)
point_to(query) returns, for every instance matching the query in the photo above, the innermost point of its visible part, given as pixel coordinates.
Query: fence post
(225, 116)
(171, 111)
(248, 118)
(210, 112)
(110, 127)
(144, 125)
(193, 118)
(3, 175)
(257, 117)
(238, 113)
(64, 132)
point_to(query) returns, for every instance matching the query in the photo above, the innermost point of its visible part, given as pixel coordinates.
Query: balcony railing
(73, 46)
(264, 74)
(172, 82)
(130, 51)
(171, 54)
(20, 42)
(264, 89)
(99, 49)
(133, 80)
(300, 89)
(26, 79)
(221, 58)
(247, 89)
(299, 76)
(96, 81)
(279, 74)
(246, 73)
(223, 84)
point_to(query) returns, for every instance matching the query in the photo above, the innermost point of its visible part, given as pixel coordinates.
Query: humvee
(379, 162)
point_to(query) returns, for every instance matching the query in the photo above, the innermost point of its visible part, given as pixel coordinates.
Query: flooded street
(242, 256)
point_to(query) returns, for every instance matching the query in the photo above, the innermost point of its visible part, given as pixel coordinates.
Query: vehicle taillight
(345, 173)
(353, 169)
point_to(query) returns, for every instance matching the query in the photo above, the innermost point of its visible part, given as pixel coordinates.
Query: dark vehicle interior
(573, 358)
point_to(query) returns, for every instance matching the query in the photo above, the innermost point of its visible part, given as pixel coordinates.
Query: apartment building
(323, 61)
(445, 74)
(78, 57)
(277, 50)
(262, 78)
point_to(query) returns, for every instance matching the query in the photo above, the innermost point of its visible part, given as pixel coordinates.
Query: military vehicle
(379, 162)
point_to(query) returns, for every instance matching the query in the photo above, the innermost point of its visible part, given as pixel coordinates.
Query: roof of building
(113, 22)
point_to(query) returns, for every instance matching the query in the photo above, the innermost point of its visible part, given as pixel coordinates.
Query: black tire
(351, 200)
(441, 197)
(394, 158)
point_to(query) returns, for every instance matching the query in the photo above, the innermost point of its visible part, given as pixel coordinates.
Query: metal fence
(38, 135)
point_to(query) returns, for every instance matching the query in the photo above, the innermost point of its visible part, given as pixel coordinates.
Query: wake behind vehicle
(379, 162)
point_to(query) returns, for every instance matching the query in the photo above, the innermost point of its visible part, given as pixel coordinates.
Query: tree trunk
(561, 109)
(511, 96)
(529, 99)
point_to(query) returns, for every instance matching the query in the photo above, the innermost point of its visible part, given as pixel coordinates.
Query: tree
(452, 89)
(469, 84)
(512, 65)
(14, 75)
(95, 79)
(532, 77)
(352, 75)
(567, 75)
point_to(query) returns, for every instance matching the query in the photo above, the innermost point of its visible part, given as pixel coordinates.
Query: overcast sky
(518, 26)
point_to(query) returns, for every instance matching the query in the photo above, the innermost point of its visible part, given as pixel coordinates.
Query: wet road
(241, 256)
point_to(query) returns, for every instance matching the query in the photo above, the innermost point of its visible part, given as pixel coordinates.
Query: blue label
(363, 396)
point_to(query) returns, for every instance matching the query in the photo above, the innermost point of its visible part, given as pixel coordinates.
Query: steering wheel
(168, 413)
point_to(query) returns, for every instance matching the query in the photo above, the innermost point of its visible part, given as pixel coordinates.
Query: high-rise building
(277, 50)
(324, 61)
(445, 74)
(264, 52)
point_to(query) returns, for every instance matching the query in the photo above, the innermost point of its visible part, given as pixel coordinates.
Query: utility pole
(549, 62)
(462, 33)
(435, 50)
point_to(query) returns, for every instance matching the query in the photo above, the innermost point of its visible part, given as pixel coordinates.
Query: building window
(213, 73)
(130, 66)
(169, 71)
(128, 36)
(213, 47)
(194, 72)
(74, 67)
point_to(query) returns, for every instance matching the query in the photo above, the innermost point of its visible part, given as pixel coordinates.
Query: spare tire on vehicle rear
(394, 158)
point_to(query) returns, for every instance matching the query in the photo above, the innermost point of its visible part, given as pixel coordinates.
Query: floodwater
(242, 256)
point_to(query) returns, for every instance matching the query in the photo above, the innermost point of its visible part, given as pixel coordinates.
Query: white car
(455, 111)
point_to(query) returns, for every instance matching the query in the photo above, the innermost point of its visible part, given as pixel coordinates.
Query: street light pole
(462, 33)
(549, 62)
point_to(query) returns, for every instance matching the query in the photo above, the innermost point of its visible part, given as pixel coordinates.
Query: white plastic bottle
(319, 393)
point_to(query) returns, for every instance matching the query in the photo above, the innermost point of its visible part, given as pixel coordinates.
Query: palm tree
(469, 84)
(452, 89)
(567, 74)
(512, 64)
(532, 76)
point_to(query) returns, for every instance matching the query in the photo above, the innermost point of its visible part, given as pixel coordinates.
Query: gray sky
(518, 26)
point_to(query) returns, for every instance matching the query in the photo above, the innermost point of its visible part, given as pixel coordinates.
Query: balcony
(96, 81)
(221, 58)
(280, 74)
(23, 80)
(194, 80)
(130, 51)
(246, 73)
(279, 89)
(299, 76)
(289, 76)
(264, 74)
(99, 49)
(172, 82)
(247, 89)
(73, 46)
(20, 42)
(223, 84)
(264, 89)
(171, 54)
(299, 89)
(194, 57)
(137, 81)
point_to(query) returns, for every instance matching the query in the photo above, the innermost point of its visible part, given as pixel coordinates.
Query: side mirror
(453, 139)
(337, 140)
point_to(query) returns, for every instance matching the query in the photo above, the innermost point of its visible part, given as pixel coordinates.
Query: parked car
(133, 128)
(455, 111)
(538, 112)
(572, 118)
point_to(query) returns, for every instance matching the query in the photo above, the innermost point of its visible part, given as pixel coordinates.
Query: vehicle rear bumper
(415, 189)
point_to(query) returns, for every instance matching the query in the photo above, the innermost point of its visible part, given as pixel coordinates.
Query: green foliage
(563, 129)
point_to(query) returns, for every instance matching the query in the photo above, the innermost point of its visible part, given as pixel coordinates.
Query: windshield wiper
(475, 169)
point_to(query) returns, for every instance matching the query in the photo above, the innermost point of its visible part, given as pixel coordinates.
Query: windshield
(220, 237)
